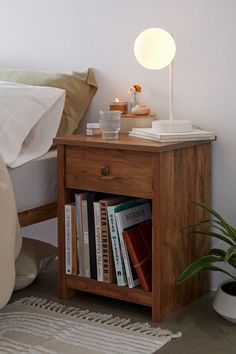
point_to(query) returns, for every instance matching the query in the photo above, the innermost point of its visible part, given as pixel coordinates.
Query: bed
(34, 184)
(33, 175)
(34, 108)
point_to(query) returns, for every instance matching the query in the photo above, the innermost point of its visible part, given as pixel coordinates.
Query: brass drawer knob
(105, 170)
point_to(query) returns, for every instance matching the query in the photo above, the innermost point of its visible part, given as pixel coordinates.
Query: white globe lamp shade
(154, 48)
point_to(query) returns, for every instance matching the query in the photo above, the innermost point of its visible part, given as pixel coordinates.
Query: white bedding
(29, 119)
(9, 235)
(34, 183)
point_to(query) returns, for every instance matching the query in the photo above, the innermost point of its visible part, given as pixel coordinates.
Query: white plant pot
(225, 301)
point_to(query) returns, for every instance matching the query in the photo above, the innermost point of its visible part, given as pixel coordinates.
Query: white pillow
(29, 120)
(35, 255)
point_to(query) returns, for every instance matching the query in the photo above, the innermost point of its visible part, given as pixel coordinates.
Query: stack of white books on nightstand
(193, 135)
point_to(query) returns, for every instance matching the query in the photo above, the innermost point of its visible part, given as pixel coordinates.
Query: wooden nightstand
(169, 174)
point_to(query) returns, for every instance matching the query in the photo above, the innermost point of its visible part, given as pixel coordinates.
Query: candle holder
(118, 105)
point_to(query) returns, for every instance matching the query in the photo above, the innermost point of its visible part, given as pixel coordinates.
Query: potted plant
(217, 227)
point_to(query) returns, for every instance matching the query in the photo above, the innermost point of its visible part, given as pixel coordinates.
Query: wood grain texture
(184, 176)
(84, 170)
(124, 142)
(171, 175)
(134, 295)
(64, 196)
(35, 215)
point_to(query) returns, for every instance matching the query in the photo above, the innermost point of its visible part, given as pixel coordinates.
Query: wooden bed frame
(39, 214)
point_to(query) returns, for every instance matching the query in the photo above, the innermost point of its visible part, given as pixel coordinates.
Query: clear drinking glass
(109, 122)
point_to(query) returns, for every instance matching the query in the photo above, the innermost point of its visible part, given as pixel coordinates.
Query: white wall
(61, 35)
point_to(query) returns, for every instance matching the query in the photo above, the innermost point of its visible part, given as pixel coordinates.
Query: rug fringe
(97, 317)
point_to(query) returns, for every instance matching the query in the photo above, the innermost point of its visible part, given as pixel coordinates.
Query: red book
(138, 240)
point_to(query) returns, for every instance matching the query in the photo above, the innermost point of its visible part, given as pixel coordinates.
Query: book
(84, 210)
(91, 198)
(193, 135)
(116, 248)
(98, 240)
(118, 260)
(125, 219)
(71, 253)
(138, 240)
(80, 237)
(68, 240)
(75, 257)
(109, 274)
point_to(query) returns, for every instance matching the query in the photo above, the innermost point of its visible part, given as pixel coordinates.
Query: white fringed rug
(39, 326)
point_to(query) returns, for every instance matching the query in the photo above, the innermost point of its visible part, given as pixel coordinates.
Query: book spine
(74, 241)
(98, 240)
(80, 241)
(108, 263)
(131, 281)
(91, 234)
(119, 264)
(86, 238)
(105, 246)
(68, 240)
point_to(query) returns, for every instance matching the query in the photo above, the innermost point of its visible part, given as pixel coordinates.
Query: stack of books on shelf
(109, 239)
(193, 135)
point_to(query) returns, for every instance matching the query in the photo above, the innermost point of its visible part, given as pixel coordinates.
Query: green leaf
(218, 216)
(218, 252)
(224, 230)
(210, 210)
(209, 225)
(221, 229)
(218, 228)
(213, 212)
(218, 269)
(214, 234)
(197, 266)
(232, 261)
(196, 224)
(231, 251)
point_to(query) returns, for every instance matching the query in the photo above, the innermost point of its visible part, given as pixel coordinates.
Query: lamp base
(172, 126)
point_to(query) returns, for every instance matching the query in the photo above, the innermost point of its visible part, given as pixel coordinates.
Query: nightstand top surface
(124, 142)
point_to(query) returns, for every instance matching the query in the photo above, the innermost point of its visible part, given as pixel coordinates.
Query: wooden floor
(204, 332)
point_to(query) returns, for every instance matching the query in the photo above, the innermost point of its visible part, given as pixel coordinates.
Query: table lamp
(154, 49)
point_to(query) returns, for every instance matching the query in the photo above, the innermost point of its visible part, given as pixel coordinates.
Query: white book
(193, 135)
(86, 238)
(98, 239)
(125, 219)
(68, 239)
(118, 259)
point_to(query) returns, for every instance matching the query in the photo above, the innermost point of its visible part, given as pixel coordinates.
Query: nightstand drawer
(109, 170)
